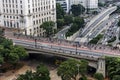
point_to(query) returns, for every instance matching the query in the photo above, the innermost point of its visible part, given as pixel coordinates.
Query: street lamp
(35, 42)
(76, 48)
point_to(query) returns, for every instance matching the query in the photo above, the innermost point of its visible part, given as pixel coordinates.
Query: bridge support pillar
(101, 66)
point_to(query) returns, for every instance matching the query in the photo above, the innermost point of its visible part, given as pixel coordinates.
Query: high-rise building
(90, 4)
(64, 4)
(27, 14)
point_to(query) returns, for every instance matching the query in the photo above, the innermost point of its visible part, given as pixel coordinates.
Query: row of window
(37, 22)
(40, 15)
(12, 1)
(11, 17)
(12, 11)
(10, 24)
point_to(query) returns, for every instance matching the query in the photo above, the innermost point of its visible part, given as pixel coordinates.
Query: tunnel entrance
(91, 70)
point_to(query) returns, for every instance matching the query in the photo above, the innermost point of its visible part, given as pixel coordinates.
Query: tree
(68, 19)
(2, 31)
(1, 59)
(83, 78)
(112, 67)
(42, 73)
(118, 9)
(20, 51)
(48, 27)
(60, 11)
(68, 70)
(77, 9)
(27, 76)
(72, 29)
(79, 21)
(60, 23)
(119, 23)
(98, 76)
(116, 77)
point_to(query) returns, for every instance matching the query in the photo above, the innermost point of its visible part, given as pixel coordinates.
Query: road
(61, 34)
(95, 22)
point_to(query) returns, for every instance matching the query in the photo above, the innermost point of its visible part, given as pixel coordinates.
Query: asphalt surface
(66, 49)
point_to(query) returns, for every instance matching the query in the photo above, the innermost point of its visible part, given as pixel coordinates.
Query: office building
(64, 4)
(27, 15)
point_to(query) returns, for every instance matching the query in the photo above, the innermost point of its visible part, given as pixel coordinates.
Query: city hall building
(27, 14)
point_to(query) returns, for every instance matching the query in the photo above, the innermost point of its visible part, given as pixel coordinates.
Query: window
(21, 12)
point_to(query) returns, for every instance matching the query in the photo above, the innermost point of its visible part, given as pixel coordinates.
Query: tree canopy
(113, 67)
(42, 73)
(48, 27)
(10, 53)
(77, 24)
(119, 23)
(60, 11)
(98, 76)
(68, 70)
(77, 9)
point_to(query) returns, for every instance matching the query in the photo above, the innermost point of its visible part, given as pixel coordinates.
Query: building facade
(27, 14)
(64, 4)
(88, 4)
(92, 4)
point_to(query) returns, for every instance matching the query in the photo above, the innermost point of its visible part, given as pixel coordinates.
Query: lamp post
(76, 48)
(35, 42)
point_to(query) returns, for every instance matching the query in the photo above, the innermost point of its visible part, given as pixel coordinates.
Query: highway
(95, 22)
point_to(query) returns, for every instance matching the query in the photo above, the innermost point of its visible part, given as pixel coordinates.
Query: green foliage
(60, 12)
(77, 9)
(42, 73)
(72, 30)
(83, 78)
(20, 51)
(113, 67)
(1, 59)
(68, 19)
(13, 58)
(77, 24)
(101, 4)
(98, 76)
(118, 9)
(10, 53)
(48, 27)
(116, 77)
(96, 39)
(2, 32)
(79, 21)
(119, 23)
(60, 23)
(112, 40)
(95, 12)
(68, 70)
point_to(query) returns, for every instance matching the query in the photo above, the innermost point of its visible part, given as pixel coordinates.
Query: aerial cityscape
(59, 40)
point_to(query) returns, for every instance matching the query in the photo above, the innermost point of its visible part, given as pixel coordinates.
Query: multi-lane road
(95, 22)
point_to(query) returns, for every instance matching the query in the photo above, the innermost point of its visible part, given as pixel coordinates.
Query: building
(27, 14)
(92, 4)
(88, 4)
(64, 4)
